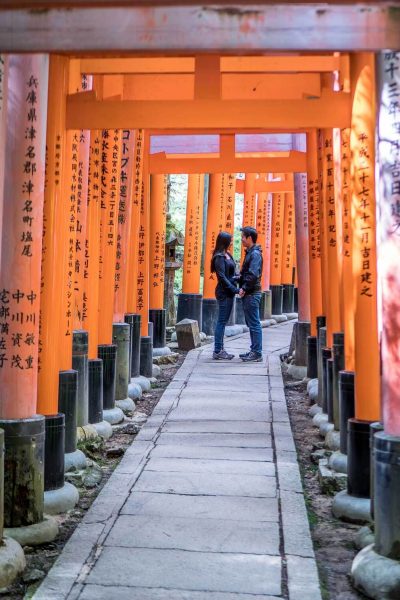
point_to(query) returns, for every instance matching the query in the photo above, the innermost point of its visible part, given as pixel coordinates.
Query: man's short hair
(250, 232)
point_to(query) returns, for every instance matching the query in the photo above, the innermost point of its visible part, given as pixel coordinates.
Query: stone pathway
(207, 503)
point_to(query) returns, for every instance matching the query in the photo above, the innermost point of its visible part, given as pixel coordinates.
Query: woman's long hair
(222, 244)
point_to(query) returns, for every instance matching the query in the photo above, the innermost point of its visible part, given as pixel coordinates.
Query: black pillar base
(329, 389)
(358, 463)
(374, 428)
(190, 306)
(210, 315)
(346, 402)
(54, 451)
(296, 300)
(68, 405)
(157, 316)
(277, 299)
(302, 332)
(146, 356)
(23, 471)
(338, 365)
(107, 353)
(321, 343)
(288, 298)
(80, 344)
(239, 316)
(312, 357)
(95, 390)
(387, 494)
(326, 355)
(134, 321)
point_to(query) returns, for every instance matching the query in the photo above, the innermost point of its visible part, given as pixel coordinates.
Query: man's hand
(241, 293)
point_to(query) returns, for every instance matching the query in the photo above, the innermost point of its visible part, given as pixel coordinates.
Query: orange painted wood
(288, 248)
(193, 235)
(55, 239)
(215, 223)
(322, 227)
(158, 213)
(109, 194)
(278, 215)
(124, 225)
(302, 273)
(3, 130)
(362, 141)
(314, 235)
(230, 203)
(249, 205)
(138, 163)
(142, 298)
(21, 252)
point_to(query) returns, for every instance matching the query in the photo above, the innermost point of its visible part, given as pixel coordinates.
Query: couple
(224, 266)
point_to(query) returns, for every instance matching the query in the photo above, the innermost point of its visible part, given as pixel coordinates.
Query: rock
(161, 351)
(156, 371)
(134, 391)
(174, 338)
(364, 537)
(92, 476)
(314, 410)
(173, 346)
(115, 452)
(203, 336)
(142, 381)
(139, 417)
(332, 440)
(33, 575)
(169, 359)
(330, 481)
(231, 330)
(188, 334)
(317, 456)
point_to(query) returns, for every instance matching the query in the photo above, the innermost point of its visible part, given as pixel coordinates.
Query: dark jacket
(250, 275)
(225, 272)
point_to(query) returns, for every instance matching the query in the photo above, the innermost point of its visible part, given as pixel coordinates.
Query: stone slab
(303, 580)
(208, 426)
(296, 529)
(222, 413)
(207, 484)
(212, 507)
(98, 592)
(192, 395)
(195, 535)
(190, 465)
(188, 570)
(247, 440)
(213, 452)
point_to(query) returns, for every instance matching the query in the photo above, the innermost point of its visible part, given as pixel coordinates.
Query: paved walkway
(207, 503)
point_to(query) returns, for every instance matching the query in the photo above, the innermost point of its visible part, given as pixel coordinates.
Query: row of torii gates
(86, 145)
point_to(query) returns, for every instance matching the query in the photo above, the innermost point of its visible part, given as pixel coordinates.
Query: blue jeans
(251, 307)
(224, 312)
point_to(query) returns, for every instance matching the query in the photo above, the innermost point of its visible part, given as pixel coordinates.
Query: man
(250, 292)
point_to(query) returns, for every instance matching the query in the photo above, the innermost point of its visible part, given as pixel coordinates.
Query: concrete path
(207, 503)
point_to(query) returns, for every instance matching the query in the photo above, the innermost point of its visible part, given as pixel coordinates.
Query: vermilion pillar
(137, 185)
(288, 240)
(142, 283)
(261, 226)
(330, 218)
(109, 193)
(3, 128)
(362, 140)
(278, 215)
(21, 240)
(55, 236)
(193, 235)
(124, 225)
(92, 245)
(249, 204)
(322, 226)
(347, 255)
(158, 212)
(215, 222)
(314, 237)
(230, 203)
(268, 232)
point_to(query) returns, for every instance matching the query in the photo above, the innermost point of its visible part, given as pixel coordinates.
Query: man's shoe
(244, 354)
(222, 355)
(252, 357)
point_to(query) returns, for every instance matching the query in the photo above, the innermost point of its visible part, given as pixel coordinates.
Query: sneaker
(253, 357)
(223, 355)
(244, 355)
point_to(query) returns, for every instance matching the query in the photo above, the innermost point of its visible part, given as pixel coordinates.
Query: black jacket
(250, 275)
(225, 272)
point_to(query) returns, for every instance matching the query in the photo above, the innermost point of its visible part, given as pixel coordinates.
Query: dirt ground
(333, 540)
(107, 456)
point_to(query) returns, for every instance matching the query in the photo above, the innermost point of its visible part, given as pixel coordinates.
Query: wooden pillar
(347, 255)
(55, 238)
(302, 261)
(230, 203)
(261, 226)
(268, 233)
(193, 235)
(322, 227)
(3, 129)
(278, 215)
(314, 237)
(389, 228)
(362, 141)
(137, 185)
(288, 242)
(249, 204)
(124, 225)
(158, 212)
(333, 305)
(92, 245)
(142, 280)
(80, 271)
(215, 222)
(110, 178)
(21, 242)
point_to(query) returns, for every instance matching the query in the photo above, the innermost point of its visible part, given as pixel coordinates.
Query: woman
(223, 265)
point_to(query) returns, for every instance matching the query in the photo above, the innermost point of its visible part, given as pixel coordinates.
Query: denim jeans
(251, 307)
(224, 312)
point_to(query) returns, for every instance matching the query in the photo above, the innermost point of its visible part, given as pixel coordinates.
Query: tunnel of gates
(87, 142)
